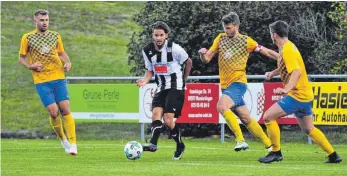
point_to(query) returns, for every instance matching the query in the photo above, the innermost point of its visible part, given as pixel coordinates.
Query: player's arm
(292, 65)
(293, 80)
(62, 54)
(293, 68)
(269, 53)
(145, 80)
(65, 58)
(252, 45)
(37, 66)
(149, 72)
(207, 55)
(188, 66)
(24, 46)
(270, 75)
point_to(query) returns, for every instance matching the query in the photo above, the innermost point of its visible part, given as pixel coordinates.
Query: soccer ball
(133, 150)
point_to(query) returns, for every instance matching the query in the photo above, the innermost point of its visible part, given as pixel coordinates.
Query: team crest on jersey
(169, 50)
(45, 49)
(228, 54)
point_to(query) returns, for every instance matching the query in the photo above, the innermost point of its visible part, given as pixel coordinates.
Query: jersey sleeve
(148, 64)
(290, 60)
(24, 45)
(215, 45)
(252, 45)
(179, 54)
(60, 46)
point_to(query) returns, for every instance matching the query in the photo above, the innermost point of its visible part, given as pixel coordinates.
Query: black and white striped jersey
(166, 64)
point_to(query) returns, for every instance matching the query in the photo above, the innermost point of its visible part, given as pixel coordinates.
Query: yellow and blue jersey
(44, 48)
(233, 55)
(291, 60)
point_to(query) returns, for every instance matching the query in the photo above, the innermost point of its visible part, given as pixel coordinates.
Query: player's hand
(141, 82)
(37, 66)
(203, 51)
(67, 66)
(280, 91)
(268, 75)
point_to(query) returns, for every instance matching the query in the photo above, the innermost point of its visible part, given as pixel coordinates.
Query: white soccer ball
(133, 150)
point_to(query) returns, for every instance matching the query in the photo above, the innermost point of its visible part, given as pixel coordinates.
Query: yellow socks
(258, 132)
(233, 124)
(273, 130)
(69, 125)
(319, 138)
(57, 126)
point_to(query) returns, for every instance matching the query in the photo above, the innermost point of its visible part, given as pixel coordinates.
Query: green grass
(202, 157)
(95, 35)
(82, 121)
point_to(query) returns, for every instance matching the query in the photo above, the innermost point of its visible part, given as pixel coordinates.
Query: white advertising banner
(147, 93)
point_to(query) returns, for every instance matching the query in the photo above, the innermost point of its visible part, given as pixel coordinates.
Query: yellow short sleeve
(215, 45)
(24, 46)
(60, 46)
(251, 44)
(290, 60)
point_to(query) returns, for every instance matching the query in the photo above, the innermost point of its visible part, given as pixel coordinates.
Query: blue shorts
(236, 91)
(291, 105)
(52, 91)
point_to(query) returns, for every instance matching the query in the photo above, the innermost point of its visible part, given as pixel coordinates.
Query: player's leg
(231, 96)
(46, 93)
(305, 121)
(252, 125)
(173, 106)
(62, 98)
(281, 108)
(157, 112)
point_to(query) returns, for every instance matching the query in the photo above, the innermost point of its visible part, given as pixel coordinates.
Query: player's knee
(168, 120)
(221, 108)
(245, 119)
(266, 117)
(156, 115)
(54, 114)
(307, 130)
(65, 112)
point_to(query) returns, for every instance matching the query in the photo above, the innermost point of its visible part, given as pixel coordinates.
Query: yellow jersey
(233, 55)
(291, 60)
(44, 48)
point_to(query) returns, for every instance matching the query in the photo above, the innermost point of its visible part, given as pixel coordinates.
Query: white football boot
(241, 145)
(73, 149)
(66, 145)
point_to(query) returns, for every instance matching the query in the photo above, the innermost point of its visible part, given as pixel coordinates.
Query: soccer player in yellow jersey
(45, 51)
(298, 100)
(233, 50)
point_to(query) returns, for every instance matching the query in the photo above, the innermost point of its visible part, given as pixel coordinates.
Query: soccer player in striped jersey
(298, 99)
(45, 51)
(233, 51)
(171, 65)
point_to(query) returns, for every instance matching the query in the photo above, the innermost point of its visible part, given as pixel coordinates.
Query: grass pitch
(202, 157)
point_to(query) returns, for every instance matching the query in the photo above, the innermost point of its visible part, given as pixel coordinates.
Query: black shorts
(171, 100)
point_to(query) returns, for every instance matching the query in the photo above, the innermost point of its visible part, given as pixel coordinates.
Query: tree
(196, 24)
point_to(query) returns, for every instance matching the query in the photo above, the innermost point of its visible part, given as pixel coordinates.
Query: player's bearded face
(230, 29)
(42, 22)
(159, 37)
